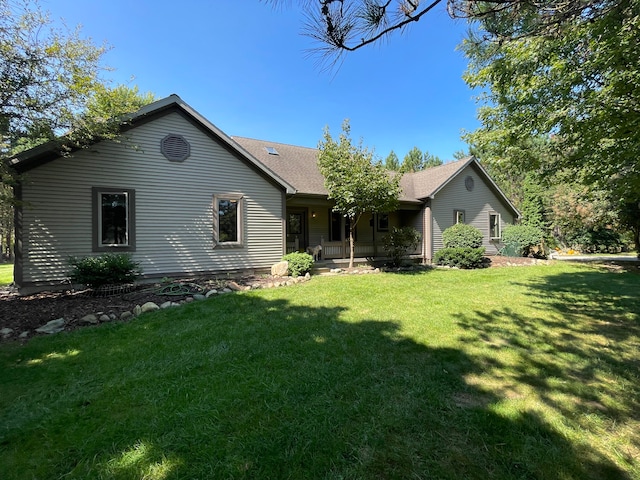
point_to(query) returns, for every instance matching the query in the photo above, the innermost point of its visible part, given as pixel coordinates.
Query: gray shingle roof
(298, 166)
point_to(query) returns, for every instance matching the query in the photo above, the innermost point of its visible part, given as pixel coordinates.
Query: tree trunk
(352, 247)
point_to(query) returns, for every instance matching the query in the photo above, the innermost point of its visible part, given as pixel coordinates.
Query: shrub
(601, 240)
(460, 257)
(107, 269)
(399, 242)
(462, 235)
(524, 240)
(299, 263)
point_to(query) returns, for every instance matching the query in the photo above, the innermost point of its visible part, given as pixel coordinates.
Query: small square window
(458, 216)
(494, 226)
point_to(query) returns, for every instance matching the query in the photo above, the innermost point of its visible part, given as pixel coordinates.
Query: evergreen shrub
(107, 269)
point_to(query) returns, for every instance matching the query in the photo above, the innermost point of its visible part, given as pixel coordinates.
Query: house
(431, 201)
(184, 199)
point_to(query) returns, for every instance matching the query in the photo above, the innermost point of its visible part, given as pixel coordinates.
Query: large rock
(280, 269)
(91, 318)
(149, 307)
(54, 326)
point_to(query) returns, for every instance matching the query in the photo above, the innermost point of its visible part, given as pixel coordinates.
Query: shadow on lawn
(579, 356)
(245, 387)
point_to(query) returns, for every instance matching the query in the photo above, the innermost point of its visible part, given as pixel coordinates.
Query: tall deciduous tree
(51, 90)
(354, 182)
(580, 88)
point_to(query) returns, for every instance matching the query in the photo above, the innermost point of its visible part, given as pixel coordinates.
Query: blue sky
(245, 66)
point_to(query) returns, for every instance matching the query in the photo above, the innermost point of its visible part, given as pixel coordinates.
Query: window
(458, 216)
(294, 226)
(383, 222)
(113, 219)
(494, 225)
(227, 222)
(335, 226)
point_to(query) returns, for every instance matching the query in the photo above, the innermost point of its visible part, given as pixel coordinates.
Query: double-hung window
(113, 219)
(227, 220)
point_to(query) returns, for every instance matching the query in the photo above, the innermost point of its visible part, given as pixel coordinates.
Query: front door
(297, 228)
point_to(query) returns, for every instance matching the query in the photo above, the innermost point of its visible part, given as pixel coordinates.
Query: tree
(415, 160)
(412, 161)
(566, 103)
(392, 162)
(347, 25)
(354, 182)
(429, 160)
(51, 90)
(47, 74)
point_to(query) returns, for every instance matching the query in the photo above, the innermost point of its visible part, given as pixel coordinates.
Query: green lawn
(6, 273)
(512, 373)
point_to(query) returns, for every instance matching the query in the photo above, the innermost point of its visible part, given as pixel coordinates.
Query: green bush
(399, 242)
(462, 235)
(524, 240)
(299, 263)
(107, 269)
(602, 240)
(460, 257)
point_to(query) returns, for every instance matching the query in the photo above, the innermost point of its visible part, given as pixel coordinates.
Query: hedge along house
(431, 201)
(175, 192)
(185, 199)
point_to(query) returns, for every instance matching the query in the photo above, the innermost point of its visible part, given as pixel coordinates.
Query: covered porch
(313, 224)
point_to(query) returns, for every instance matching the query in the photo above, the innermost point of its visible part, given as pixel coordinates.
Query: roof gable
(36, 156)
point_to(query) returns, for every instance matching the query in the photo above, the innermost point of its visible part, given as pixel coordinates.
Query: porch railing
(333, 250)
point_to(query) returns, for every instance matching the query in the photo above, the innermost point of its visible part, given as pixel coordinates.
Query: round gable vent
(468, 182)
(175, 148)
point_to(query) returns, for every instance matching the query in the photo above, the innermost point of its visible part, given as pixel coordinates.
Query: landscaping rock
(226, 290)
(126, 315)
(188, 299)
(199, 296)
(5, 332)
(149, 307)
(166, 305)
(91, 318)
(24, 334)
(307, 276)
(137, 310)
(54, 326)
(280, 269)
(105, 318)
(211, 293)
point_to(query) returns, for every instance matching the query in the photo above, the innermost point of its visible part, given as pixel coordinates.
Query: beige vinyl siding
(174, 205)
(477, 205)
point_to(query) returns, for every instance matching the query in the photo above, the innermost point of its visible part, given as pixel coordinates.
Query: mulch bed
(28, 312)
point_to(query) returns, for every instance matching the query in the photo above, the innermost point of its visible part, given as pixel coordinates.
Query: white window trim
(239, 198)
(455, 216)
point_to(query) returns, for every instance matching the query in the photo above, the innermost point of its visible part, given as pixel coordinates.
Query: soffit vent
(175, 148)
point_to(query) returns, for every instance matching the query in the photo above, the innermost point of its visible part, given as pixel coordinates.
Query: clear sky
(245, 66)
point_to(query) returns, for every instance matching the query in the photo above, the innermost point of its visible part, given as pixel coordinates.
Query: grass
(512, 373)
(6, 273)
